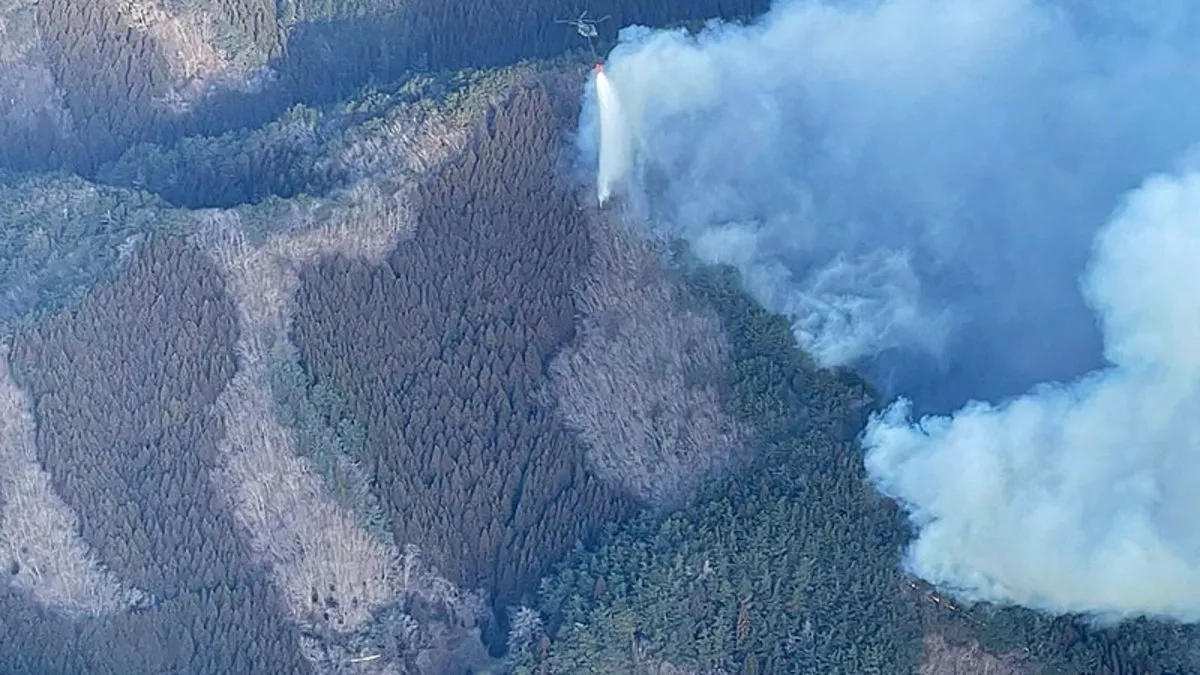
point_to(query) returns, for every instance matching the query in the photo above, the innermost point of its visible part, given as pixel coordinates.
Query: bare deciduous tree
(28, 93)
(943, 658)
(40, 546)
(336, 659)
(641, 382)
(447, 651)
(333, 574)
(525, 628)
(191, 42)
(413, 141)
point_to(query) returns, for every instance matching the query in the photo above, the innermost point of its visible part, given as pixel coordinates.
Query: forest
(318, 358)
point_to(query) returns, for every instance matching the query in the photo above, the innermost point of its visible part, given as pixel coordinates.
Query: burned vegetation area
(441, 355)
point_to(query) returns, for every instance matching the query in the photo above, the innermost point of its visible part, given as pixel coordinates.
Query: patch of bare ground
(642, 382)
(190, 42)
(28, 94)
(40, 546)
(943, 658)
(336, 576)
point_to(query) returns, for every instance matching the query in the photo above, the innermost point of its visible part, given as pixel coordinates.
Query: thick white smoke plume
(1083, 497)
(920, 185)
(916, 182)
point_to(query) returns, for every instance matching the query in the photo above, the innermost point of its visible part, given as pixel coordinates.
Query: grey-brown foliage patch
(62, 234)
(292, 12)
(313, 545)
(29, 97)
(305, 505)
(943, 658)
(123, 384)
(128, 69)
(411, 142)
(642, 383)
(201, 50)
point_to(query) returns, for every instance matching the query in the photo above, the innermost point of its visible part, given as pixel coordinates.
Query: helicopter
(584, 26)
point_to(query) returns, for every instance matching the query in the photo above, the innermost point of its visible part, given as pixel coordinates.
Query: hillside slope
(90, 79)
(308, 378)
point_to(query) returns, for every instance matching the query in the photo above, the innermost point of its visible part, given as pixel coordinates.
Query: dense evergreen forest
(124, 384)
(476, 467)
(316, 360)
(791, 565)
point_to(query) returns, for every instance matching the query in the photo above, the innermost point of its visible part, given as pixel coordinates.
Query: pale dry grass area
(943, 658)
(27, 87)
(39, 533)
(640, 383)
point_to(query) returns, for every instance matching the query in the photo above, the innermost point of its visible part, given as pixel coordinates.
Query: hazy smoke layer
(915, 182)
(1082, 497)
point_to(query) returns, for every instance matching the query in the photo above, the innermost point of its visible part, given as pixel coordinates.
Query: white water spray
(614, 139)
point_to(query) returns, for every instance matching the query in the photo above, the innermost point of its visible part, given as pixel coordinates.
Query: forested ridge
(123, 385)
(791, 566)
(752, 577)
(462, 320)
(116, 73)
(316, 360)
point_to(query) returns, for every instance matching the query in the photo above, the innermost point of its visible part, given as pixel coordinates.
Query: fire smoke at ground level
(921, 187)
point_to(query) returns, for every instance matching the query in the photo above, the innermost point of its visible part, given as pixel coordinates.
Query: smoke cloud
(921, 186)
(915, 182)
(1080, 497)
